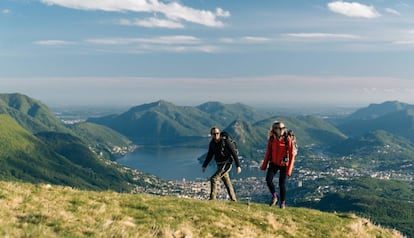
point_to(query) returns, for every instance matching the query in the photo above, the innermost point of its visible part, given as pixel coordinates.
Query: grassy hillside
(31, 114)
(102, 139)
(57, 158)
(53, 211)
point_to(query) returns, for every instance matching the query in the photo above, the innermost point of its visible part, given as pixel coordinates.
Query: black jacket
(226, 154)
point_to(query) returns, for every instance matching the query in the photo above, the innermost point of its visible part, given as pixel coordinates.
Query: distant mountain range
(389, 125)
(163, 123)
(394, 117)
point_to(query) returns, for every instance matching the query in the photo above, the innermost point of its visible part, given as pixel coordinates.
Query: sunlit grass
(53, 211)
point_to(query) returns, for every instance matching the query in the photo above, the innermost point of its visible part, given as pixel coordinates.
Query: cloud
(151, 22)
(172, 10)
(254, 39)
(178, 39)
(53, 42)
(178, 44)
(321, 36)
(353, 9)
(392, 11)
(5, 11)
(245, 39)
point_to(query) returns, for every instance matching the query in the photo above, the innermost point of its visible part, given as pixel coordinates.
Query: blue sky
(268, 52)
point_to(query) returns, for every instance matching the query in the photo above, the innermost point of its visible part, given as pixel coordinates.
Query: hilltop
(55, 211)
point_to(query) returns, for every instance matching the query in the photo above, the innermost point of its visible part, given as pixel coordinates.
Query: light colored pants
(223, 174)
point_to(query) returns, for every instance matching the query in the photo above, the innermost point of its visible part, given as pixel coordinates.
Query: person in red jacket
(278, 155)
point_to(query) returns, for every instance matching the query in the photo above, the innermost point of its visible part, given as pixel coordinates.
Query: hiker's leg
(213, 182)
(229, 186)
(269, 178)
(282, 183)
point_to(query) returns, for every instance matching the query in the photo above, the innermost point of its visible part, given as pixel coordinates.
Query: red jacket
(276, 150)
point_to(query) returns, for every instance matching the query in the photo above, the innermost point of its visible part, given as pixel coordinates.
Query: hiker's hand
(203, 169)
(238, 170)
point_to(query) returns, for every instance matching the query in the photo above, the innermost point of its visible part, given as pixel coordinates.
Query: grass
(53, 211)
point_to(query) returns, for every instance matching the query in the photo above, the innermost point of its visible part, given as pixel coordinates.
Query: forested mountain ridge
(36, 147)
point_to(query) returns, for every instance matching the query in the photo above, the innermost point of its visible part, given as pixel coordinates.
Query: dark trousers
(223, 174)
(271, 172)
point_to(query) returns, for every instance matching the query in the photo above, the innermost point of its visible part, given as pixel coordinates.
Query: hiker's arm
(290, 149)
(208, 157)
(266, 158)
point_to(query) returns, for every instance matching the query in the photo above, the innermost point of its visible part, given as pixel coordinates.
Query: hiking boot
(283, 205)
(274, 200)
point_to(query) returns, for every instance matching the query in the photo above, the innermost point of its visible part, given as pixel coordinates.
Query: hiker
(278, 154)
(224, 153)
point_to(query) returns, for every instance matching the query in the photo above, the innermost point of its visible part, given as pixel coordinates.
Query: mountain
(158, 123)
(377, 110)
(224, 114)
(36, 147)
(371, 142)
(392, 116)
(102, 139)
(30, 113)
(377, 149)
(56, 158)
(309, 130)
(248, 139)
(164, 123)
(55, 211)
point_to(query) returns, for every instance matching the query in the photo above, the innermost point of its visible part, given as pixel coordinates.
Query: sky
(284, 52)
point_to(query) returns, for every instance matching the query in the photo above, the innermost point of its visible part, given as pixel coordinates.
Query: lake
(168, 163)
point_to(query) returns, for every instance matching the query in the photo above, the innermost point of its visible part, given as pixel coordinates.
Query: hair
(274, 124)
(213, 128)
(271, 132)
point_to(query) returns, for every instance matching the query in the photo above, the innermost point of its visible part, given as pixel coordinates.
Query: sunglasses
(280, 128)
(215, 133)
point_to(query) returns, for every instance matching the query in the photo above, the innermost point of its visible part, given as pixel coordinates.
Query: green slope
(102, 139)
(49, 211)
(55, 158)
(31, 114)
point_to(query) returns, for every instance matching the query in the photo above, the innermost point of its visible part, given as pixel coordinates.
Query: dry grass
(51, 211)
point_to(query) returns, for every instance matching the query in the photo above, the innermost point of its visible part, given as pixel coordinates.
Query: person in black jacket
(224, 153)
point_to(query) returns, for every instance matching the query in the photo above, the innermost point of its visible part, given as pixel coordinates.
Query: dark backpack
(227, 137)
(291, 134)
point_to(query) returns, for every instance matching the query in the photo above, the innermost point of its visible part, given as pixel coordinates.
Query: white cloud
(178, 44)
(321, 36)
(254, 39)
(151, 22)
(172, 10)
(178, 39)
(392, 11)
(5, 11)
(228, 40)
(353, 9)
(245, 39)
(53, 42)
